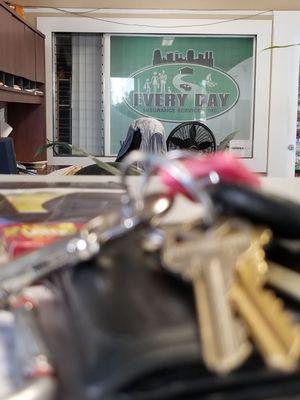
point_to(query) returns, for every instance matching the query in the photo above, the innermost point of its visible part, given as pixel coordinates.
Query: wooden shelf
(22, 63)
(11, 95)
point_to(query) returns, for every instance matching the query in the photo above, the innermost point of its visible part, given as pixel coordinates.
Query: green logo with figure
(180, 87)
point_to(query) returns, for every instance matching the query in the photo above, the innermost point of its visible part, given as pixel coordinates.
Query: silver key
(208, 261)
(82, 246)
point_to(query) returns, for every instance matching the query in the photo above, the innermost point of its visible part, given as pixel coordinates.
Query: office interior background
(108, 63)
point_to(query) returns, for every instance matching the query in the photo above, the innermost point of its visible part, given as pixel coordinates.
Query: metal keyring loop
(178, 171)
(129, 200)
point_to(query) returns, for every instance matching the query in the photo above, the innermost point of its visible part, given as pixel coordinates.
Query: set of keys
(227, 268)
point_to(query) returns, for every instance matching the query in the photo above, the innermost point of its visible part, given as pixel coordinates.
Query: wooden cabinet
(2, 40)
(17, 30)
(21, 47)
(29, 55)
(39, 58)
(29, 130)
(22, 74)
(6, 41)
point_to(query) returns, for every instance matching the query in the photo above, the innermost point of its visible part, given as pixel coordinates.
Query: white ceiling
(168, 4)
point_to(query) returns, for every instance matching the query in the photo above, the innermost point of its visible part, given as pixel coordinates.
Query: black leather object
(133, 335)
(280, 215)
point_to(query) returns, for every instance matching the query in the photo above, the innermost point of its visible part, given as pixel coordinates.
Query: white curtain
(87, 105)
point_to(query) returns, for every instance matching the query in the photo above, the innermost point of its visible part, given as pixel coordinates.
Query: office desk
(182, 210)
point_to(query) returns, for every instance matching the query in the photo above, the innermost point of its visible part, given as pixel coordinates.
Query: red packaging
(21, 238)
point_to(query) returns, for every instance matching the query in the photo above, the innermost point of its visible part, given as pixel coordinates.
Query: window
(181, 78)
(170, 78)
(78, 92)
(247, 119)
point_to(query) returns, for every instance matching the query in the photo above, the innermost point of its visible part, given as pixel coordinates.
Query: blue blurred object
(8, 163)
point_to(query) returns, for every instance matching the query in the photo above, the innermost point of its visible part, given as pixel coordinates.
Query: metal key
(271, 328)
(82, 246)
(284, 279)
(208, 261)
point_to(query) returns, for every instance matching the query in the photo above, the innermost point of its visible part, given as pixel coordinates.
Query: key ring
(224, 164)
(177, 171)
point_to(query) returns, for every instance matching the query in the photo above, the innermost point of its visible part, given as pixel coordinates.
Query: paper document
(5, 128)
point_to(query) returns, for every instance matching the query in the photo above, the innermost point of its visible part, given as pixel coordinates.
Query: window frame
(261, 28)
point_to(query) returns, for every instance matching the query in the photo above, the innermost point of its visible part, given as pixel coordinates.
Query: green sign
(181, 78)
(175, 91)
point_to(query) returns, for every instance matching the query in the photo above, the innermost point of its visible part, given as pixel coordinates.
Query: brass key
(284, 279)
(208, 261)
(270, 326)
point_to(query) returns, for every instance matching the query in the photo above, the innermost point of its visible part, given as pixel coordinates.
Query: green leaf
(225, 142)
(55, 144)
(41, 149)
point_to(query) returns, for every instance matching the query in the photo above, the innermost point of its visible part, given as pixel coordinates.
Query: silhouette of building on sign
(205, 58)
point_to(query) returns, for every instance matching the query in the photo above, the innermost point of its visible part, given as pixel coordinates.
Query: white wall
(284, 94)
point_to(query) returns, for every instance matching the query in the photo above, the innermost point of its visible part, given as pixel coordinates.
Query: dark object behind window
(192, 135)
(63, 48)
(132, 142)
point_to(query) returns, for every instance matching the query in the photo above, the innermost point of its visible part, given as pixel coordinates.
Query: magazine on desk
(34, 214)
